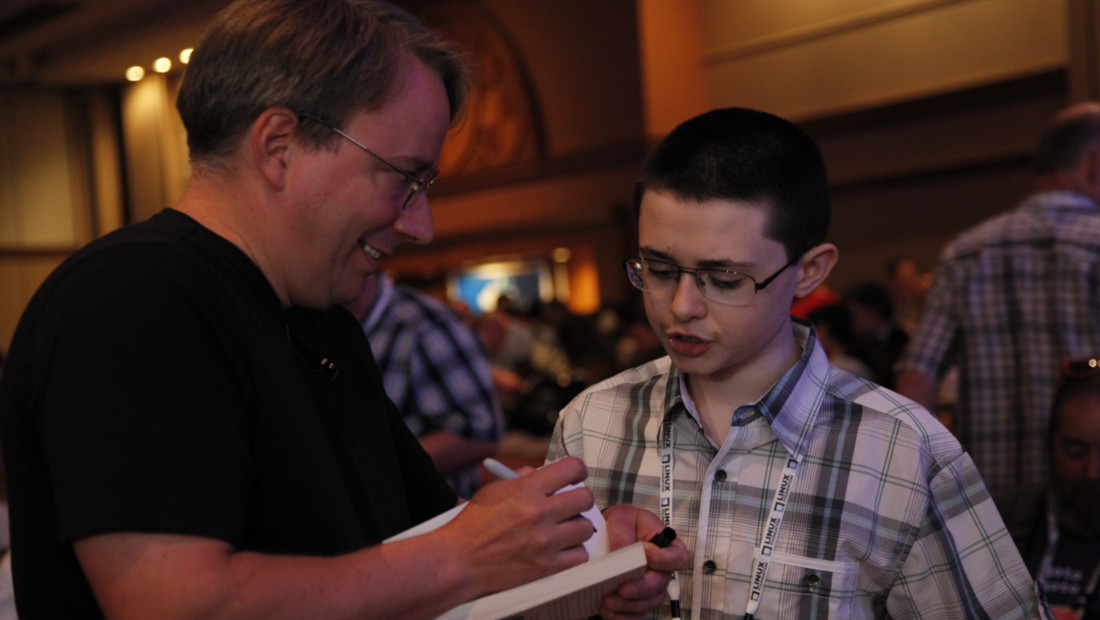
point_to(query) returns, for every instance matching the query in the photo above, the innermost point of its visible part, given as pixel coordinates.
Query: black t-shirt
(156, 384)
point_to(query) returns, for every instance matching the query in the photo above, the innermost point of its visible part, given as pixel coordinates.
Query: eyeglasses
(417, 185)
(1079, 368)
(722, 286)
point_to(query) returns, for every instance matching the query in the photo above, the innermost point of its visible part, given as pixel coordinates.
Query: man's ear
(270, 142)
(816, 264)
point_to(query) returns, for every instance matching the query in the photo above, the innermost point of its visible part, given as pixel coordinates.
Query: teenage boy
(801, 490)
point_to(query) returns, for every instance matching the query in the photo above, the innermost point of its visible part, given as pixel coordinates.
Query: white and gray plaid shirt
(887, 516)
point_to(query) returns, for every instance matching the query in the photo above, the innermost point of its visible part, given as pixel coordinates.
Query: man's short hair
(746, 155)
(327, 58)
(1070, 388)
(1065, 139)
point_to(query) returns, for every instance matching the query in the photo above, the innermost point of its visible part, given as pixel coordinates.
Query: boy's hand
(627, 524)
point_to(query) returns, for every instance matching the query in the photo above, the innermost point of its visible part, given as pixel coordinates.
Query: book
(596, 545)
(573, 593)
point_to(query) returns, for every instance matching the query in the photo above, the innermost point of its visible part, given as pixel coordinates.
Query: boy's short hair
(746, 155)
(326, 58)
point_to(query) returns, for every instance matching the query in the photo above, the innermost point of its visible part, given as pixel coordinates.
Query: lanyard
(1047, 563)
(668, 443)
(766, 544)
(764, 548)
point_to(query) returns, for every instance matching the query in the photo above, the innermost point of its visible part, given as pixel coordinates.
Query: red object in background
(820, 296)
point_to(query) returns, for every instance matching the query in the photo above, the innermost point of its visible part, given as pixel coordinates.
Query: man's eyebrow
(415, 164)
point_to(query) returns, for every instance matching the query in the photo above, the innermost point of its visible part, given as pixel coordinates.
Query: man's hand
(516, 531)
(625, 525)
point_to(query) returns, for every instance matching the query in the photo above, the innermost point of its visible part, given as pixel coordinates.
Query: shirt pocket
(798, 587)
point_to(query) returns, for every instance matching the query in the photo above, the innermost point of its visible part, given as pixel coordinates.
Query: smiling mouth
(375, 254)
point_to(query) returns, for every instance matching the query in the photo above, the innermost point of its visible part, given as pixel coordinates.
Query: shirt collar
(385, 293)
(1063, 198)
(790, 406)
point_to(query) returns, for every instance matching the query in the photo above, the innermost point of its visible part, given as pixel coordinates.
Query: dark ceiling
(81, 42)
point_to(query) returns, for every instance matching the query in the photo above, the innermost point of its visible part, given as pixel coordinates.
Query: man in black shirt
(192, 427)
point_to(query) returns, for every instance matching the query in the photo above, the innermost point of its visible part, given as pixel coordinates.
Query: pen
(663, 539)
(500, 470)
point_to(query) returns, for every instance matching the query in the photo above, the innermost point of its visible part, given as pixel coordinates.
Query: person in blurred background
(1056, 523)
(908, 287)
(833, 324)
(435, 371)
(1010, 299)
(876, 338)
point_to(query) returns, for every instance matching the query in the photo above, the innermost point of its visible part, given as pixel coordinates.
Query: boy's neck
(717, 399)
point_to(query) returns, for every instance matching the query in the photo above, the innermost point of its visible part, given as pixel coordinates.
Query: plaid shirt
(1011, 298)
(434, 370)
(886, 517)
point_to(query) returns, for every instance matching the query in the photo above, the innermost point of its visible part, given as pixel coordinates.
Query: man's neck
(225, 207)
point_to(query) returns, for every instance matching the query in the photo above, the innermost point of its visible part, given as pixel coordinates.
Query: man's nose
(415, 221)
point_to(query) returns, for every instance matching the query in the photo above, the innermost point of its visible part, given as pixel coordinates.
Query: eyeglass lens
(417, 185)
(719, 285)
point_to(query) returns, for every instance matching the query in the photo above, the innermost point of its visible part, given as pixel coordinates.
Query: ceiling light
(185, 55)
(162, 65)
(135, 73)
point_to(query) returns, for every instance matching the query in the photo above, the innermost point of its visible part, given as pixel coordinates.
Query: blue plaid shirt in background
(1011, 298)
(887, 516)
(434, 369)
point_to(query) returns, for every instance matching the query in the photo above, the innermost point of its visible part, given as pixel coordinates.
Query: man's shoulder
(138, 257)
(1041, 215)
(656, 370)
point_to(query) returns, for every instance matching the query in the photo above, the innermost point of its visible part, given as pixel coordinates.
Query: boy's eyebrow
(709, 263)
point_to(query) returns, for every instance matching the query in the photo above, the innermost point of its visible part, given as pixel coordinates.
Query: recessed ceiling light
(162, 65)
(135, 73)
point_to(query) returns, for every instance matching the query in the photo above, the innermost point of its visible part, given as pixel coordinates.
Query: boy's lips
(687, 344)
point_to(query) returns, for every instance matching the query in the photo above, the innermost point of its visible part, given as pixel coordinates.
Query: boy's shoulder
(644, 386)
(908, 421)
(653, 371)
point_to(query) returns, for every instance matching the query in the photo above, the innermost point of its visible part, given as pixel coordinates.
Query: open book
(573, 593)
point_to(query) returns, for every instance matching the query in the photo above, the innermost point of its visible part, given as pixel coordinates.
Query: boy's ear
(815, 267)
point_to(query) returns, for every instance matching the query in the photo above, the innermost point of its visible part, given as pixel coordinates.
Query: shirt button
(720, 475)
(709, 567)
(811, 581)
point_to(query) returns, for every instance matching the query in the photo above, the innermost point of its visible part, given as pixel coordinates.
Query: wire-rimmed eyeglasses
(722, 286)
(417, 185)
